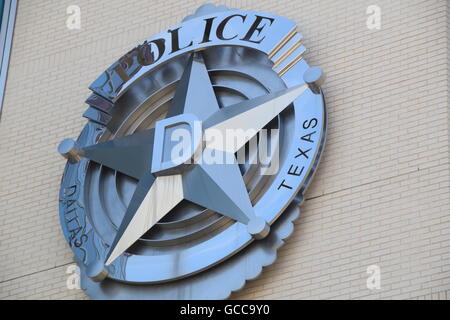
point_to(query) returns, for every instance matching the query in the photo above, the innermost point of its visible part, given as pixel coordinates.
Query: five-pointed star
(219, 187)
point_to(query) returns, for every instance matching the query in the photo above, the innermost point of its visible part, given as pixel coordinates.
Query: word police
(173, 43)
(246, 29)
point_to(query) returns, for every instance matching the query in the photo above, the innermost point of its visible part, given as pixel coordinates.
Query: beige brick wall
(381, 195)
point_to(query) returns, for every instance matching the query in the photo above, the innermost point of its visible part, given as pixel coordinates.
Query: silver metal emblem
(147, 223)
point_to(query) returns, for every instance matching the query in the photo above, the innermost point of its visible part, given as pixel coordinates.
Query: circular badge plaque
(147, 223)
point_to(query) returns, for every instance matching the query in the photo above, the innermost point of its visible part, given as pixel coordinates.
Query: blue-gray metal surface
(6, 36)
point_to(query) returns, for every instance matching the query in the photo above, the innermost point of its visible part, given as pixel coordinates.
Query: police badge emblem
(145, 222)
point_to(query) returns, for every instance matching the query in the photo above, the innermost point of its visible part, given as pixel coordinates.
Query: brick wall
(381, 195)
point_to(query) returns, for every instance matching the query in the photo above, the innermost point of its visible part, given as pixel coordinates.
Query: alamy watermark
(373, 282)
(73, 21)
(373, 21)
(73, 281)
(217, 146)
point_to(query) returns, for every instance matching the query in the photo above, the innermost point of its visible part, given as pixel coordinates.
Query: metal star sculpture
(218, 187)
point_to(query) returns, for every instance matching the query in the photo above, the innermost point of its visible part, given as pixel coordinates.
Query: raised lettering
(222, 25)
(257, 28)
(176, 40)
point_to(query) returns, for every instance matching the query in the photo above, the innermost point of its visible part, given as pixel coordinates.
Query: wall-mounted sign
(199, 146)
